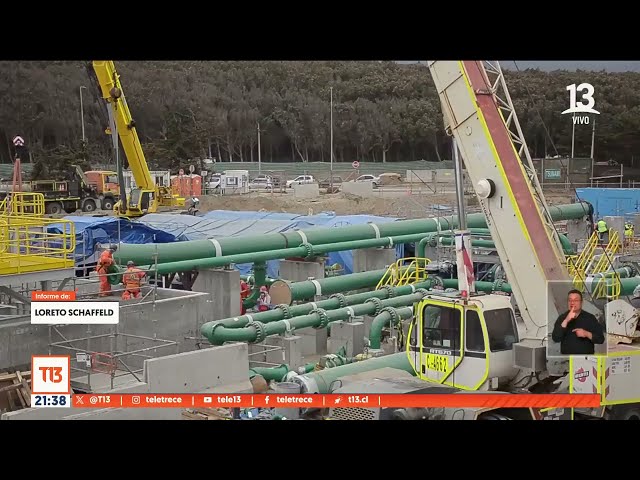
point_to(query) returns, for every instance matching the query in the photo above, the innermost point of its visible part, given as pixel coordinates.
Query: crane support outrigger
(147, 196)
(476, 341)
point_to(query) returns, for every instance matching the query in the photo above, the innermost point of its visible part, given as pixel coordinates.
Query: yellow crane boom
(147, 196)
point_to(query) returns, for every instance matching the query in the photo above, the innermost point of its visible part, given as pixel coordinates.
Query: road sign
(552, 173)
(355, 164)
(18, 141)
(192, 169)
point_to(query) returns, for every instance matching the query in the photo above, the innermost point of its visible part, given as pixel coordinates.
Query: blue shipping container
(611, 201)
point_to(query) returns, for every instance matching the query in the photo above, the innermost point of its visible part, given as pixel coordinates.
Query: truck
(106, 185)
(501, 343)
(70, 195)
(147, 196)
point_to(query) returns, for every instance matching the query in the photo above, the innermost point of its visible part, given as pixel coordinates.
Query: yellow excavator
(146, 197)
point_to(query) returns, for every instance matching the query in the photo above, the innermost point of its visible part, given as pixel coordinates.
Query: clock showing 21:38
(50, 400)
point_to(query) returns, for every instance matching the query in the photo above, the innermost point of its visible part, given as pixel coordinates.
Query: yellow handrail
(29, 242)
(405, 271)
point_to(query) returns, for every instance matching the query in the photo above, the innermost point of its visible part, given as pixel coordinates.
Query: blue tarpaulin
(165, 228)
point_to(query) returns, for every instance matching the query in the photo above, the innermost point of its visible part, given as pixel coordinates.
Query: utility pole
(259, 155)
(82, 114)
(331, 125)
(573, 135)
(593, 144)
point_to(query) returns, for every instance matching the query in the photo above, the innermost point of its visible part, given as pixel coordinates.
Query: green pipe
(260, 272)
(144, 254)
(114, 279)
(431, 240)
(623, 272)
(572, 211)
(322, 380)
(276, 314)
(277, 374)
(306, 251)
(256, 332)
(383, 319)
(250, 279)
(566, 244)
(474, 243)
(308, 289)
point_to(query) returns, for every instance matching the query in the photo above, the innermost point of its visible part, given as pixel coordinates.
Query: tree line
(382, 112)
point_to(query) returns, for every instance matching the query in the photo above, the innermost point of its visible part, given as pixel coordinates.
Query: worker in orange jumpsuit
(105, 261)
(245, 290)
(132, 279)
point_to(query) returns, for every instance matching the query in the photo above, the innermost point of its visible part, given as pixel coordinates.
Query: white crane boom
(479, 113)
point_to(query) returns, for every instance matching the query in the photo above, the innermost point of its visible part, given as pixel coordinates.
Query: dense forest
(382, 111)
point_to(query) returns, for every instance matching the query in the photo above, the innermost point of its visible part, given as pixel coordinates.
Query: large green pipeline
(321, 381)
(256, 332)
(306, 250)
(327, 286)
(334, 303)
(199, 249)
(444, 240)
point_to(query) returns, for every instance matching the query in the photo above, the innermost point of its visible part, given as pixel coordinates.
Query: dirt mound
(403, 206)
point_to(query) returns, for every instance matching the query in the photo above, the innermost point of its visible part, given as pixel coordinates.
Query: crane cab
(140, 202)
(463, 343)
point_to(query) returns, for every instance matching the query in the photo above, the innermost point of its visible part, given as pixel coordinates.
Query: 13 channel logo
(584, 106)
(50, 381)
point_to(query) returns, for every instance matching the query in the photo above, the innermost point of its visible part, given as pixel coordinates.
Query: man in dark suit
(577, 331)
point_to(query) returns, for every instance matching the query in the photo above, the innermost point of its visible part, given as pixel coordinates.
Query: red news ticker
(53, 296)
(459, 400)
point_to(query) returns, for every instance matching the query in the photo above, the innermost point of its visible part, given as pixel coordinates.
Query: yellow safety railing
(609, 286)
(605, 260)
(23, 204)
(405, 271)
(29, 244)
(577, 264)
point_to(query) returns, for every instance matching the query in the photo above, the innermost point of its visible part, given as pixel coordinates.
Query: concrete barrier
(223, 369)
(307, 190)
(359, 189)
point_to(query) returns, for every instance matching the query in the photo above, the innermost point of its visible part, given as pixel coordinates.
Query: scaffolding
(113, 363)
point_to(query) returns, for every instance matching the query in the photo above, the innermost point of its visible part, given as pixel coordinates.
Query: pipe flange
(497, 285)
(633, 271)
(324, 318)
(215, 325)
(342, 299)
(261, 331)
(284, 308)
(436, 281)
(423, 291)
(378, 304)
(433, 241)
(309, 249)
(390, 291)
(395, 318)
